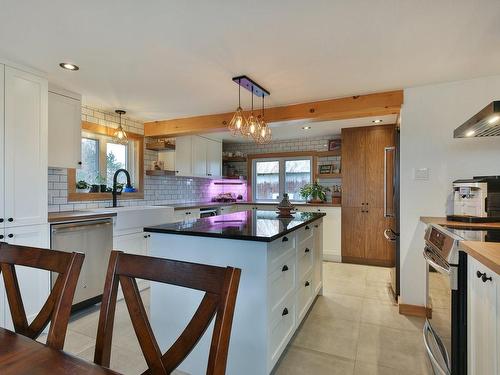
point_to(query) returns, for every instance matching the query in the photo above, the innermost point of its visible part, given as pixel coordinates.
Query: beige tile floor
(354, 328)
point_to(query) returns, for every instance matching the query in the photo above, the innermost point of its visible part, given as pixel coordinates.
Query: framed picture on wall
(325, 169)
(334, 144)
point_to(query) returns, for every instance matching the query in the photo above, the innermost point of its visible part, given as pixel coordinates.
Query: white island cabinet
(483, 319)
(280, 262)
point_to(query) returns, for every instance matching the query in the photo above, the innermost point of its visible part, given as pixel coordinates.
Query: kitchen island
(281, 274)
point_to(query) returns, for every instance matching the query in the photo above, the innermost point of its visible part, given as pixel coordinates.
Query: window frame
(282, 159)
(136, 157)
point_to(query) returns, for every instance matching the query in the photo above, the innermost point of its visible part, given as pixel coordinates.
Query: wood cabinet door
(353, 167)
(26, 149)
(377, 139)
(353, 233)
(377, 249)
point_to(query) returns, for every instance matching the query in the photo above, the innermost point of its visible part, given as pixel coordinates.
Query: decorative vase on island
(285, 207)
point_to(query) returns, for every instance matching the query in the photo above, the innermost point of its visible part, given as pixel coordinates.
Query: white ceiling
(163, 59)
(294, 129)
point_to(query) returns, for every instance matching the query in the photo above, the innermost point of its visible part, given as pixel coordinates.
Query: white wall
(429, 116)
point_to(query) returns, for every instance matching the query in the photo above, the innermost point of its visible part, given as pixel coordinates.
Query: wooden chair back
(219, 284)
(57, 308)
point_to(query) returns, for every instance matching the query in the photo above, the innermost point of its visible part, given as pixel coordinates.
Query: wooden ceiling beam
(379, 104)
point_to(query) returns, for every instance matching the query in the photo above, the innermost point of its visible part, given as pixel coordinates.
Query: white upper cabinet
(25, 148)
(64, 129)
(183, 146)
(198, 156)
(214, 158)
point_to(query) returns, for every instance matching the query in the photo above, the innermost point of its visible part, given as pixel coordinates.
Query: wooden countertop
(488, 253)
(457, 224)
(58, 217)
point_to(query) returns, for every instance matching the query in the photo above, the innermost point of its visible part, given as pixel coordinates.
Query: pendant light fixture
(264, 131)
(119, 135)
(237, 123)
(251, 127)
(252, 124)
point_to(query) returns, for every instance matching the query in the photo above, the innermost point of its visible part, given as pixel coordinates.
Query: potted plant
(101, 181)
(314, 193)
(82, 187)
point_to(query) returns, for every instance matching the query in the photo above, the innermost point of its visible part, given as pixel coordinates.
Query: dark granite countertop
(263, 226)
(193, 205)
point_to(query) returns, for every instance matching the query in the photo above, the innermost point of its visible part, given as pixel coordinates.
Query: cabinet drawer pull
(1, 236)
(307, 283)
(307, 250)
(307, 227)
(479, 274)
(285, 239)
(1, 219)
(486, 278)
(10, 235)
(10, 220)
(285, 268)
(145, 236)
(285, 312)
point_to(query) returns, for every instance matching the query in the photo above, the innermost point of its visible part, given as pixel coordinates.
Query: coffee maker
(476, 200)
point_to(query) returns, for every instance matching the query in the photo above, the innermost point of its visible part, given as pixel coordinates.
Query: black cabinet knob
(285, 239)
(1, 236)
(486, 278)
(79, 163)
(145, 236)
(479, 274)
(10, 220)
(10, 235)
(306, 250)
(307, 227)
(285, 268)
(316, 226)
(1, 219)
(285, 312)
(307, 283)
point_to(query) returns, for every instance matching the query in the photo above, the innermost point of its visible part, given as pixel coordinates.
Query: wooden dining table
(20, 355)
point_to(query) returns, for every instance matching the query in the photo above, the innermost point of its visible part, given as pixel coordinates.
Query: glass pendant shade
(264, 133)
(252, 128)
(120, 136)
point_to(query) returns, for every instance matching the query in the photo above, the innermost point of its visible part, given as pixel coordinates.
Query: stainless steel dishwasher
(93, 238)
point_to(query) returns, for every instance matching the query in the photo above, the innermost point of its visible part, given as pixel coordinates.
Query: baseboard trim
(331, 256)
(369, 262)
(415, 310)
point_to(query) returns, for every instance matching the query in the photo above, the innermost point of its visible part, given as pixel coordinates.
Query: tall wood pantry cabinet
(23, 178)
(363, 221)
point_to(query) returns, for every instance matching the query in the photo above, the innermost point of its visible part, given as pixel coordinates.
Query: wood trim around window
(73, 196)
(277, 155)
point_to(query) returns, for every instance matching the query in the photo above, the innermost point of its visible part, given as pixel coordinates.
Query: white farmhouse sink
(132, 217)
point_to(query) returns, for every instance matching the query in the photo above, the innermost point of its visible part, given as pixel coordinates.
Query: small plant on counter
(82, 186)
(314, 193)
(101, 181)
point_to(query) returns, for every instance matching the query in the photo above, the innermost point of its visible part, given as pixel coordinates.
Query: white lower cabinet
(294, 264)
(331, 232)
(181, 215)
(483, 319)
(34, 284)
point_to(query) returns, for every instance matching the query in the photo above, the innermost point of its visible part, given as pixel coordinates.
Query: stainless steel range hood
(486, 123)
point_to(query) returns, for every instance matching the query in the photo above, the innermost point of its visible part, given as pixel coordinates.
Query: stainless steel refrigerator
(391, 206)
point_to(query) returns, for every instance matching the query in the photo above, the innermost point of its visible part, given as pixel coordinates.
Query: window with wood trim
(101, 157)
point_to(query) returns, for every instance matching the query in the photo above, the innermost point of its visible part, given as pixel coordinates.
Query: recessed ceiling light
(470, 133)
(377, 121)
(69, 66)
(306, 127)
(493, 119)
